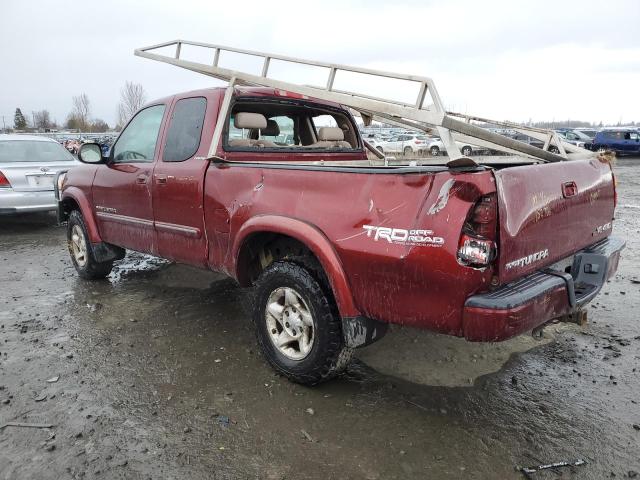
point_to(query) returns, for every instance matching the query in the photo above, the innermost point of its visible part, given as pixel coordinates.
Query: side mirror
(90, 153)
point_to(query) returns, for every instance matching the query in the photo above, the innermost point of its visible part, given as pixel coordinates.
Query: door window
(137, 143)
(185, 129)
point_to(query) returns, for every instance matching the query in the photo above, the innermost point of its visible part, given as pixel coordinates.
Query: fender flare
(315, 240)
(80, 198)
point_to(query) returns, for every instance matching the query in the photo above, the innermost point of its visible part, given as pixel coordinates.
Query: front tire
(467, 151)
(408, 151)
(434, 151)
(297, 325)
(81, 252)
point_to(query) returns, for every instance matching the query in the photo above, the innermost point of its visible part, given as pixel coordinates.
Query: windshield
(32, 151)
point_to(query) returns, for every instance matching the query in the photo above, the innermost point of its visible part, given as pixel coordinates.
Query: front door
(122, 187)
(178, 182)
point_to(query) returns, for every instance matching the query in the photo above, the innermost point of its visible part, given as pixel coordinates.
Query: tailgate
(549, 211)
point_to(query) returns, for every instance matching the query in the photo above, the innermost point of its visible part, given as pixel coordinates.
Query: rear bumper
(12, 202)
(531, 301)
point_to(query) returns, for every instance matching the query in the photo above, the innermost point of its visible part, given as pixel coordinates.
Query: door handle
(141, 179)
(161, 179)
(569, 189)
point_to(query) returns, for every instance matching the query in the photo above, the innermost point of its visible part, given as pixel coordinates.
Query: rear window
(32, 151)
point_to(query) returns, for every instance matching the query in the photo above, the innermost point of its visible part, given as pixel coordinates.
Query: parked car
(335, 247)
(589, 132)
(575, 137)
(623, 141)
(436, 147)
(406, 143)
(28, 168)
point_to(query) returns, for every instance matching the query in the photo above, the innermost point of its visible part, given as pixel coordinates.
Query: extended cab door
(122, 187)
(178, 183)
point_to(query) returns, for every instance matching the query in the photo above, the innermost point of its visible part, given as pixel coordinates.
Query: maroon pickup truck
(336, 245)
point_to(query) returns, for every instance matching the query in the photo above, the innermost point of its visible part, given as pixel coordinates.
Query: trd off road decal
(401, 236)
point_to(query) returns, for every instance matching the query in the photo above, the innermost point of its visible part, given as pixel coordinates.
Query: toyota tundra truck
(338, 246)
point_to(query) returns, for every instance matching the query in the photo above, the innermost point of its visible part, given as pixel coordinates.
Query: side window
(137, 143)
(185, 129)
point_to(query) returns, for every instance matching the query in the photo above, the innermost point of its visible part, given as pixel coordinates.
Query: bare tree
(42, 119)
(132, 97)
(99, 126)
(81, 111)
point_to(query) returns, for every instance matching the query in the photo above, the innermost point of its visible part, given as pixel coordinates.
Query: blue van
(623, 141)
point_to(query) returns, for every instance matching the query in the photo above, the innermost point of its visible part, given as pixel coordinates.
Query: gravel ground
(155, 374)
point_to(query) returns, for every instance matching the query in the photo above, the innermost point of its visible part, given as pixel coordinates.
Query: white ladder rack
(450, 126)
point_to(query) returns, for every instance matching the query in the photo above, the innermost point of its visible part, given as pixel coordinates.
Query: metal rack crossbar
(450, 126)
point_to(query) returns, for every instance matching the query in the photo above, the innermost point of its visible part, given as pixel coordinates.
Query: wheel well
(262, 249)
(68, 206)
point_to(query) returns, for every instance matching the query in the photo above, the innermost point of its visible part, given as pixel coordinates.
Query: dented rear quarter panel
(417, 285)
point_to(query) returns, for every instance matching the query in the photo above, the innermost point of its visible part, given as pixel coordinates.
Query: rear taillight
(4, 182)
(477, 247)
(418, 142)
(615, 189)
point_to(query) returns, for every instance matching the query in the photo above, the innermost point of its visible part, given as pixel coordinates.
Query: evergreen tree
(19, 122)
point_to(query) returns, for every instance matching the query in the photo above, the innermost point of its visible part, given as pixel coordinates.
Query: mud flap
(105, 252)
(361, 331)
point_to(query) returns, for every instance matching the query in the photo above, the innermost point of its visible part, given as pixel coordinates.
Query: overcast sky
(517, 60)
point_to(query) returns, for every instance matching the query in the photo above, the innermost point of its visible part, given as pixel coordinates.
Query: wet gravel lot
(155, 373)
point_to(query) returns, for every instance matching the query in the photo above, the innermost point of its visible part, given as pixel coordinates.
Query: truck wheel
(434, 151)
(297, 325)
(467, 151)
(81, 252)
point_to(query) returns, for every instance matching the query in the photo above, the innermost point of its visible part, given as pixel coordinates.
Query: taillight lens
(4, 182)
(477, 247)
(615, 189)
(475, 251)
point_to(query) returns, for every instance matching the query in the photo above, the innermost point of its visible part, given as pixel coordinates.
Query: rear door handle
(569, 189)
(161, 179)
(141, 179)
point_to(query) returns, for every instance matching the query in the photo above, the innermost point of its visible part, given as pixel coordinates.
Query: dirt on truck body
(274, 188)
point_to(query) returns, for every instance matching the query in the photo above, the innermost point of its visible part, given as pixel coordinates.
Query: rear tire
(467, 151)
(297, 325)
(434, 151)
(554, 149)
(81, 252)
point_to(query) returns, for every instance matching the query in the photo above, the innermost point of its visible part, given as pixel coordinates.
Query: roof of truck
(247, 92)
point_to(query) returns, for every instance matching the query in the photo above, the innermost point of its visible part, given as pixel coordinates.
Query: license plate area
(565, 265)
(41, 181)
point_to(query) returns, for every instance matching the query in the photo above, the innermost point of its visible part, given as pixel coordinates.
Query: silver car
(28, 167)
